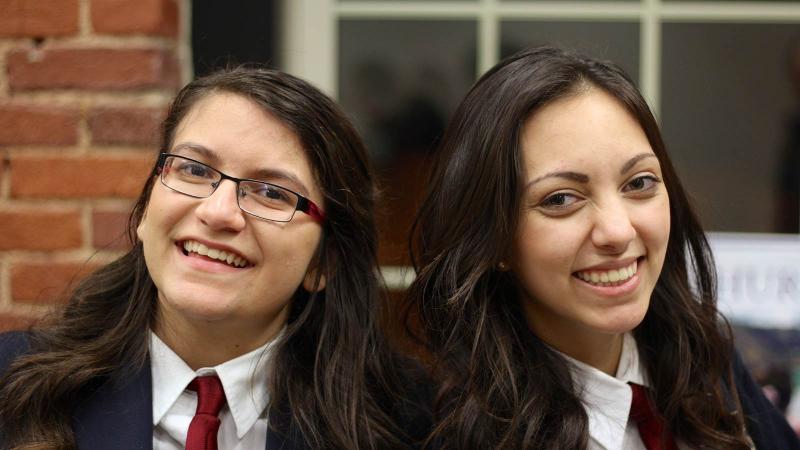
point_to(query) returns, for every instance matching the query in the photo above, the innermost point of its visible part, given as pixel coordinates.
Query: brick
(40, 230)
(46, 283)
(12, 321)
(109, 230)
(91, 69)
(79, 177)
(125, 126)
(38, 18)
(36, 125)
(157, 17)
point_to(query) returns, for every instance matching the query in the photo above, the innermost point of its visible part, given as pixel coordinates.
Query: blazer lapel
(117, 415)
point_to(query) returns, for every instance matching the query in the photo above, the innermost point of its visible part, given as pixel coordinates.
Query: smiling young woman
(251, 286)
(568, 301)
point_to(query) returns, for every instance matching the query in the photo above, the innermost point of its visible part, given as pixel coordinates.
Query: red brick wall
(83, 86)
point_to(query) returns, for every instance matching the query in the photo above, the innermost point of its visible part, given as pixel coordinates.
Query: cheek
(295, 252)
(159, 215)
(544, 248)
(655, 225)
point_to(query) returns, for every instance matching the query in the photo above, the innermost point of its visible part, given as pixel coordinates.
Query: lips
(611, 277)
(225, 256)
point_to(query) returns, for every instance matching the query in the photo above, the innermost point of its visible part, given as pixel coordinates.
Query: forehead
(243, 140)
(590, 127)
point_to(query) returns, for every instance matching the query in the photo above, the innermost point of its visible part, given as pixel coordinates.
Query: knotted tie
(203, 429)
(651, 427)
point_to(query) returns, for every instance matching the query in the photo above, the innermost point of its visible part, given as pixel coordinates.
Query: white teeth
(609, 277)
(213, 253)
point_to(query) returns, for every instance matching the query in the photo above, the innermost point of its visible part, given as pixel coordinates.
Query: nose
(220, 211)
(613, 229)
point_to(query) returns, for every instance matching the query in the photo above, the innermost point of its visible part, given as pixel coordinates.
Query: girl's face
(234, 135)
(594, 222)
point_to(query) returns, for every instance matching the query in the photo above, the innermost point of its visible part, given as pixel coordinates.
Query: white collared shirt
(608, 399)
(244, 380)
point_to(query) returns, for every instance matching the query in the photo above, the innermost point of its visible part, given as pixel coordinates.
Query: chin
(624, 321)
(200, 304)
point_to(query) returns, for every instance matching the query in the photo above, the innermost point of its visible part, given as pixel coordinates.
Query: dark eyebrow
(632, 162)
(259, 175)
(197, 149)
(582, 178)
(574, 176)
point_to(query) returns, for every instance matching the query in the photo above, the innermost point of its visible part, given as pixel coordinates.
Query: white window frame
(311, 48)
(310, 27)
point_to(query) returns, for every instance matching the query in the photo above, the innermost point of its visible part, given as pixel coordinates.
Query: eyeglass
(263, 200)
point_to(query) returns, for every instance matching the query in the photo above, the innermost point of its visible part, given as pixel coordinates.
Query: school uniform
(121, 415)
(608, 402)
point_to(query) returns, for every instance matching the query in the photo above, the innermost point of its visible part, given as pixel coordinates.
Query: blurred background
(84, 84)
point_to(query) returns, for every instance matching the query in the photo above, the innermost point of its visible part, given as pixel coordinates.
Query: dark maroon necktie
(651, 426)
(203, 429)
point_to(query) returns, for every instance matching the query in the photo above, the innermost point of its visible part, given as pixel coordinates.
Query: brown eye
(559, 200)
(641, 183)
(195, 170)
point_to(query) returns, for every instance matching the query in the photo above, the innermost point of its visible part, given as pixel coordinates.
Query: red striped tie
(203, 429)
(651, 426)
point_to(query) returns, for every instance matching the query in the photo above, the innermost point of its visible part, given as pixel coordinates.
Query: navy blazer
(120, 416)
(765, 424)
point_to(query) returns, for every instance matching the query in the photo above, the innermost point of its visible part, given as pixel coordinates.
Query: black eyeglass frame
(304, 205)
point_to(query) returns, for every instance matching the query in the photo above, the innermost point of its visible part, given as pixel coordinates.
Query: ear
(140, 227)
(310, 280)
(315, 280)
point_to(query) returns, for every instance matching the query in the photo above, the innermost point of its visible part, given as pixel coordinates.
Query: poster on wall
(759, 293)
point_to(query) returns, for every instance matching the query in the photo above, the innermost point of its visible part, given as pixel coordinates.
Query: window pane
(731, 123)
(617, 41)
(548, 1)
(400, 80)
(734, 1)
(407, 1)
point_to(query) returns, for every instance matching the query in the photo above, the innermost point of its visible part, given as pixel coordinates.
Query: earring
(502, 266)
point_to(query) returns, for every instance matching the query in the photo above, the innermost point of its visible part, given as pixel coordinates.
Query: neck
(599, 350)
(208, 344)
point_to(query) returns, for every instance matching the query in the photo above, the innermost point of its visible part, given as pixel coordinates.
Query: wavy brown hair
(333, 371)
(502, 387)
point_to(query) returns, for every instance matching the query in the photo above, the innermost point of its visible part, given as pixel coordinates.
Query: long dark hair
(501, 387)
(333, 370)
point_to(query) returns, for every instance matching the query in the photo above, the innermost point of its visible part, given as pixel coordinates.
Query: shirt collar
(607, 399)
(244, 380)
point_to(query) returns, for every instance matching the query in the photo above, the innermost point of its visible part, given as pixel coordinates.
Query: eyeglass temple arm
(307, 206)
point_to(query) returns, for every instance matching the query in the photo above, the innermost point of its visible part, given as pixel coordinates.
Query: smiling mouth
(190, 247)
(613, 277)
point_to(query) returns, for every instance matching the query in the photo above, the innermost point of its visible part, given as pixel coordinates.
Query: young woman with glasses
(246, 314)
(568, 301)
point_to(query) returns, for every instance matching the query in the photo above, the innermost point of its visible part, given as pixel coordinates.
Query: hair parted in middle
(501, 386)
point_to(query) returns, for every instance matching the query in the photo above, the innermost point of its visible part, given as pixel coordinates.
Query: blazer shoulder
(765, 424)
(12, 345)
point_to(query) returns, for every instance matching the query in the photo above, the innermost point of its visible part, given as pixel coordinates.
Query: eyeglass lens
(264, 200)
